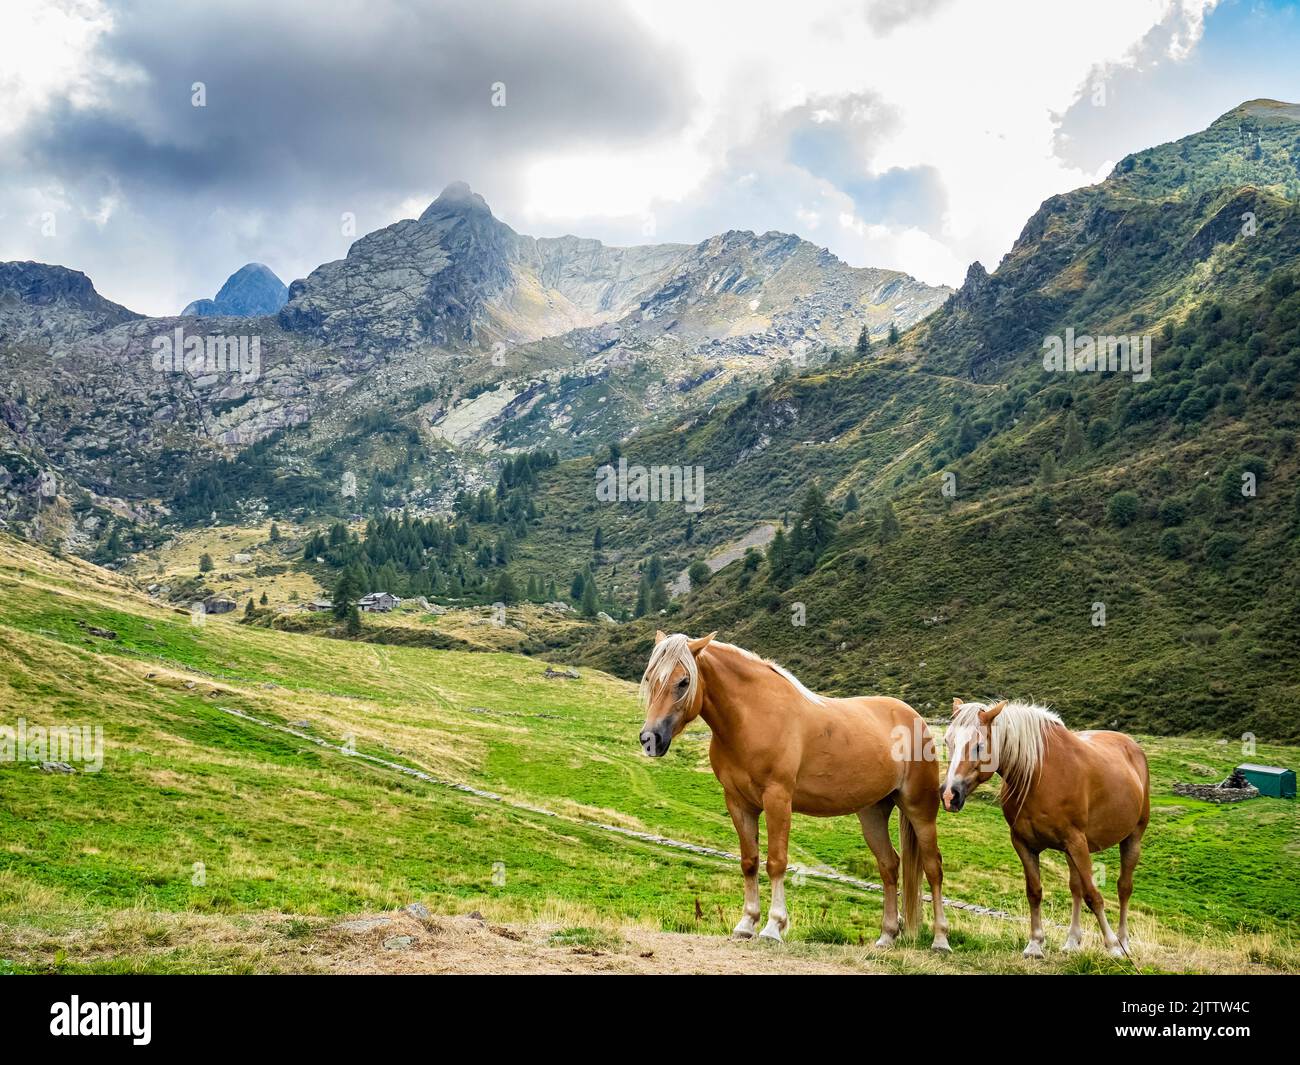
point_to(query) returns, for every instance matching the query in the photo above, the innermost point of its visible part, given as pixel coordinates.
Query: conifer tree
(889, 527)
(590, 605)
(863, 347)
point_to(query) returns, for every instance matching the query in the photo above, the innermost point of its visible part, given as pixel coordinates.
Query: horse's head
(969, 741)
(671, 690)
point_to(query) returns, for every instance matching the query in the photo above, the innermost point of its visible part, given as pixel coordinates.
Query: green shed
(1271, 780)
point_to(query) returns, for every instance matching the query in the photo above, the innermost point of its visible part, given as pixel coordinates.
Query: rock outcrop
(42, 304)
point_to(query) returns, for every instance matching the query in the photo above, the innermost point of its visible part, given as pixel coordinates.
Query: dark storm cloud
(370, 92)
(353, 107)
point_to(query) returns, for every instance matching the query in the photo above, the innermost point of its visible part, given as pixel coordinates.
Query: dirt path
(412, 940)
(469, 945)
(759, 536)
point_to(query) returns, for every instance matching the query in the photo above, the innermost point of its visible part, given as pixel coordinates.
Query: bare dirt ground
(467, 945)
(406, 942)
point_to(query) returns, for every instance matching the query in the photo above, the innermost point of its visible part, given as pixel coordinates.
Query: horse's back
(1132, 760)
(1118, 784)
(882, 708)
(855, 752)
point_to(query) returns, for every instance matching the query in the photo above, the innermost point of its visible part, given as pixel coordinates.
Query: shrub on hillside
(1173, 512)
(1221, 548)
(1122, 509)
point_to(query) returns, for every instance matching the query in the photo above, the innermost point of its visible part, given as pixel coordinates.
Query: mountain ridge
(419, 322)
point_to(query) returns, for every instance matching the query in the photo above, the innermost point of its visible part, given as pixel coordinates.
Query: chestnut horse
(778, 749)
(1077, 792)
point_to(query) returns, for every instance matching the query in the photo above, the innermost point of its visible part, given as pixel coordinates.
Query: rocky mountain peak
(42, 283)
(1263, 108)
(251, 291)
(456, 199)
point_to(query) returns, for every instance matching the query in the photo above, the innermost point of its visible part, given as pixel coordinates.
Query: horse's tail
(911, 862)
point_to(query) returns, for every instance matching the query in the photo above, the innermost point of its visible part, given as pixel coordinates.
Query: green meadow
(205, 821)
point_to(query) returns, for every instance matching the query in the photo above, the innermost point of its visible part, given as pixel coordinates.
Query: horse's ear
(699, 645)
(956, 705)
(660, 636)
(988, 715)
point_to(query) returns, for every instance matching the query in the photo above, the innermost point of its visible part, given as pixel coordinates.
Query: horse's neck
(719, 710)
(733, 698)
(1057, 740)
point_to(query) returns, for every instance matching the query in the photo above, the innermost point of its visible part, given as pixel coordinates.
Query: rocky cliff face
(426, 282)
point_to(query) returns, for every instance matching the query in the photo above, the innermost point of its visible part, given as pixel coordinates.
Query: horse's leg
(921, 812)
(746, 822)
(776, 808)
(1130, 850)
(927, 837)
(1034, 893)
(1074, 938)
(1076, 850)
(875, 830)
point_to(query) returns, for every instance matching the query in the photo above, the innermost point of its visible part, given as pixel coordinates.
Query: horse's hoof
(771, 933)
(885, 940)
(941, 946)
(742, 933)
(1072, 945)
(1116, 951)
(1033, 949)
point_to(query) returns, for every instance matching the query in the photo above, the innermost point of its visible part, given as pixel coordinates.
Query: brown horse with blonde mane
(1077, 792)
(779, 749)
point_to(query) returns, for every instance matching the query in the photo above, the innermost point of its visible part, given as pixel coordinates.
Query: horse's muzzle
(656, 741)
(954, 798)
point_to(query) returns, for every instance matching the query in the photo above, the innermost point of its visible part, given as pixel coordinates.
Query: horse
(777, 748)
(1076, 792)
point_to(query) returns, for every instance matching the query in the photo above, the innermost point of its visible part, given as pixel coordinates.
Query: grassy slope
(284, 827)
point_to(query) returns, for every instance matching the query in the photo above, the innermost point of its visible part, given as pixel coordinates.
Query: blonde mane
(1017, 736)
(669, 653)
(673, 651)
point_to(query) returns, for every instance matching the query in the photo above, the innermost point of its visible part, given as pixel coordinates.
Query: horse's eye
(681, 684)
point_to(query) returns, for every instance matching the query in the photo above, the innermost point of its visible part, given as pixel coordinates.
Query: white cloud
(971, 90)
(47, 50)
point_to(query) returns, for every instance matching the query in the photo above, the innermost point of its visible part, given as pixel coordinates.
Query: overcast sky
(913, 134)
